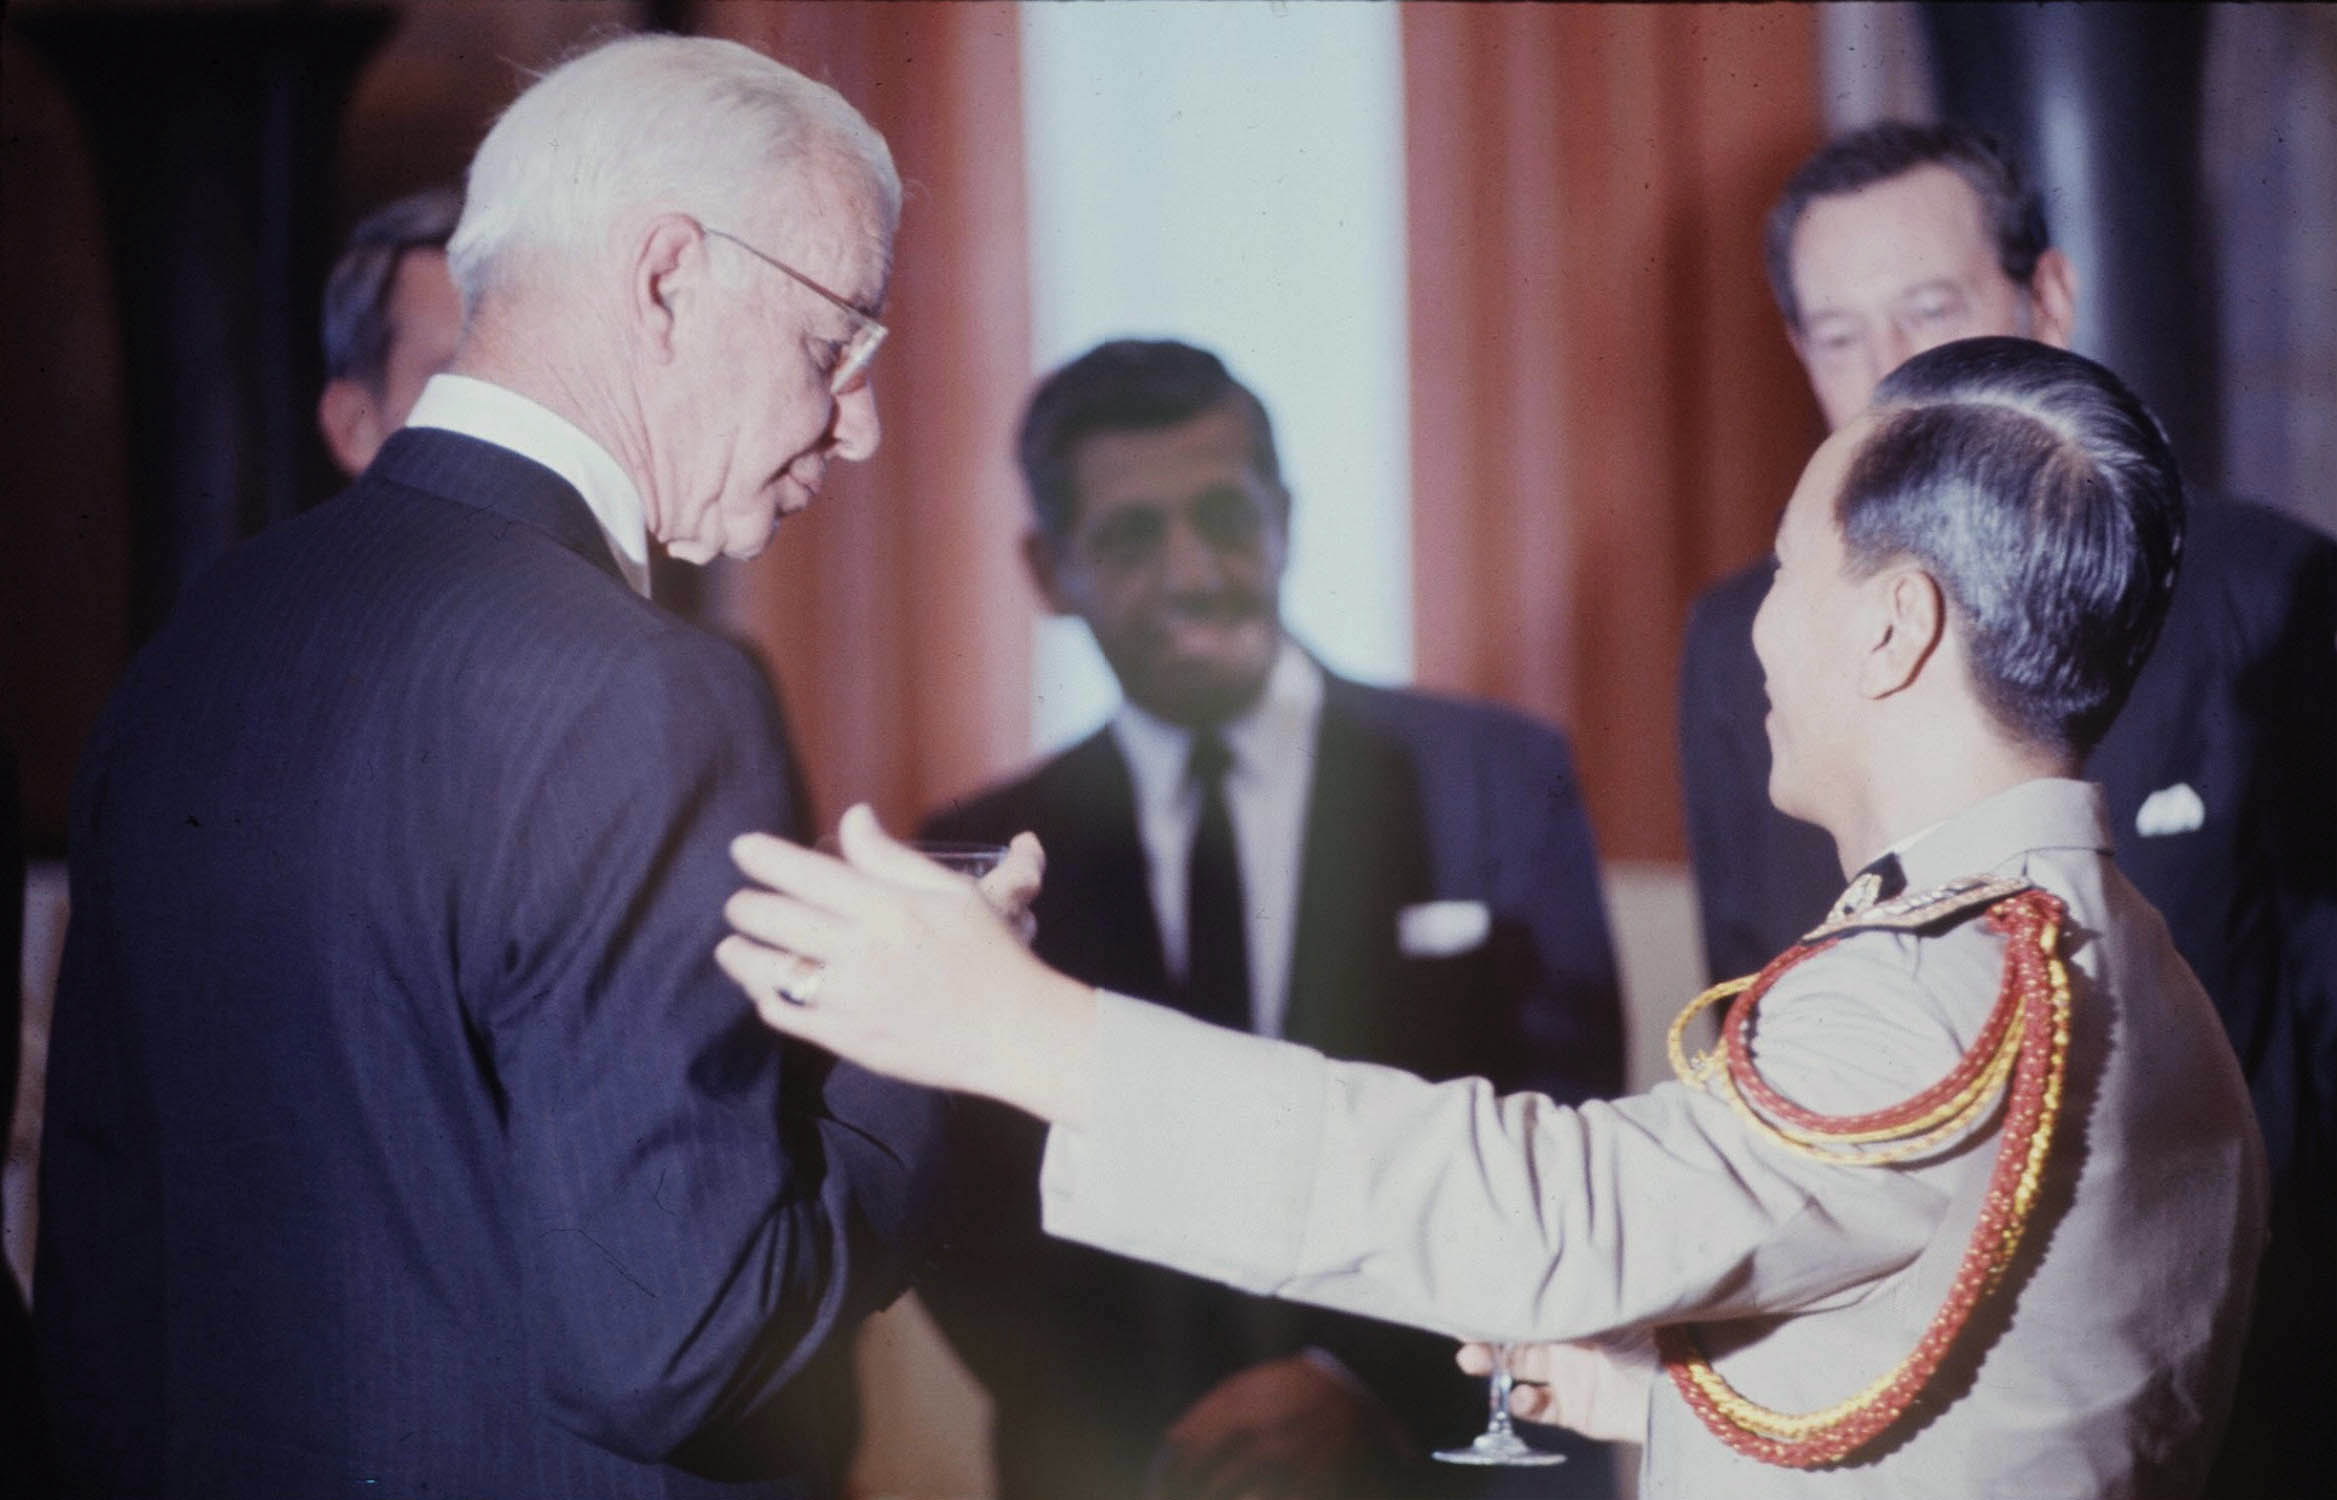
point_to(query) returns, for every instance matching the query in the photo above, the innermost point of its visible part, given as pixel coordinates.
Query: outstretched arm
(1268, 1167)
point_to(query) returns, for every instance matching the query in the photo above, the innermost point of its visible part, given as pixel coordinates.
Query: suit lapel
(1095, 910)
(1366, 858)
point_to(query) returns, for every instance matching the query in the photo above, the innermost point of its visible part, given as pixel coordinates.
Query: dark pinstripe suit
(405, 1139)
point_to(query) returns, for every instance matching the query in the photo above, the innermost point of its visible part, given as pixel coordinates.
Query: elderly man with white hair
(404, 1137)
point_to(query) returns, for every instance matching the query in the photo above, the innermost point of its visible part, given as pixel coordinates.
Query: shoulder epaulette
(1923, 911)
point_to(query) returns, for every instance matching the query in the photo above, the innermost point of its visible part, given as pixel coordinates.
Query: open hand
(885, 958)
(1598, 1389)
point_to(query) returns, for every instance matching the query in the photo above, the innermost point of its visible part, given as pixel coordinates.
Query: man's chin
(1198, 697)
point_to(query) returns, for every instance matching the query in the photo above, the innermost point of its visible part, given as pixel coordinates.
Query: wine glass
(970, 860)
(1499, 1442)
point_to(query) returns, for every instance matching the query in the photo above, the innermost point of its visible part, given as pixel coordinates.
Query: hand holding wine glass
(1599, 1389)
(1499, 1443)
(884, 957)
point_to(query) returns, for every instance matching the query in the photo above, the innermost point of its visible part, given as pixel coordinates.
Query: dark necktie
(1217, 945)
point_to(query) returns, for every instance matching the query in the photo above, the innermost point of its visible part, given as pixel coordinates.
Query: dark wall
(65, 571)
(90, 559)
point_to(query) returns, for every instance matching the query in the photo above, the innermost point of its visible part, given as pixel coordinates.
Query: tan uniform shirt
(2103, 1367)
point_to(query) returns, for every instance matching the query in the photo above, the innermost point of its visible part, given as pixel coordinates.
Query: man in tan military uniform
(1969, 1198)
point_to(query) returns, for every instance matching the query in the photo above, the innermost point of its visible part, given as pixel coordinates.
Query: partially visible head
(1897, 238)
(2005, 511)
(621, 220)
(391, 321)
(1161, 521)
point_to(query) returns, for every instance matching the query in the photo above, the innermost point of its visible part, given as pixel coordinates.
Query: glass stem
(1497, 1396)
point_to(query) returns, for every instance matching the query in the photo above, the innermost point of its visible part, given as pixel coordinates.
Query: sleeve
(1263, 1165)
(701, 1204)
(1561, 981)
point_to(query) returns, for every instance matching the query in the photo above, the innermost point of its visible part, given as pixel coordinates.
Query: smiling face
(1806, 636)
(1888, 271)
(1175, 561)
(757, 420)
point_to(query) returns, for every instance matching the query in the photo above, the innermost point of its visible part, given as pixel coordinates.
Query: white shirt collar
(495, 414)
(1278, 727)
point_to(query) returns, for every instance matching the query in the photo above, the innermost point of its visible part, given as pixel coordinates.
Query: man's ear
(669, 263)
(349, 420)
(2053, 300)
(1908, 617)
(1044, 561)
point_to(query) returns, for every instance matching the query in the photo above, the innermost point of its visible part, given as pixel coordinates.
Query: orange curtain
(894, 612)
(1605, 413)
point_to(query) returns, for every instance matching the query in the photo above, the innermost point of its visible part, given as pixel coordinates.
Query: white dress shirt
(2105, 1360)
(1266, 790)
(493, 414)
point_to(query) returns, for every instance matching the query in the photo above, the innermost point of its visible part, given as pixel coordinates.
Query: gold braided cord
(1950, 1118)
(2024, 1196)
(1940, 1125)
(1829, 1434)
(1787, 1426)
(1675, 1041)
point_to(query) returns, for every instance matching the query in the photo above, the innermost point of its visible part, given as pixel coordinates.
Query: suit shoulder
(1055, 788)
(2252, 580)
(1445, 721)
(1725, 610)
(2232, 531)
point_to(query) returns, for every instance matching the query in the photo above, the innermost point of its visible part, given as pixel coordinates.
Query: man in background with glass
(1386, 875)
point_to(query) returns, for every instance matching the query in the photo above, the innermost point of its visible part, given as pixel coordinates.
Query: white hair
(649, 124)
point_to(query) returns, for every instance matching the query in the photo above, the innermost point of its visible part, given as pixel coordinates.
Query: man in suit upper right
(1383, 874)
(1887, 242)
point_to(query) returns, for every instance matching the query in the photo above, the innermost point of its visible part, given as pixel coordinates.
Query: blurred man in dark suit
(1890, 241)
(392, 319)
(404, 1138)
(1387, 875)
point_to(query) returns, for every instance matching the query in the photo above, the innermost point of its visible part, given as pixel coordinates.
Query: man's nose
(1189, 561)
(856, 430)
(1893, 348)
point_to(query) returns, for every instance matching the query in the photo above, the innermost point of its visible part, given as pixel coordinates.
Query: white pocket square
(1440, 929)
(2170, 809)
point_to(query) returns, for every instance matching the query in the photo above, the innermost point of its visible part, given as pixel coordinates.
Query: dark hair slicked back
(1125, 385)
(2042, 495)
(2011, 210)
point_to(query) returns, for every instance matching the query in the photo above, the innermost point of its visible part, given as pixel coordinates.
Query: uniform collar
(2048, 813)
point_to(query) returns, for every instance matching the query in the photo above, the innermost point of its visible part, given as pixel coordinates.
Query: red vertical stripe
(1605, 412)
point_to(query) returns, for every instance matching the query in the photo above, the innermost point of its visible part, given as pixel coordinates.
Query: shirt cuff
(1201, 1151)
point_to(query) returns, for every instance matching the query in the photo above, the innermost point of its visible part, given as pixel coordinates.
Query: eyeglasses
(867, 332)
